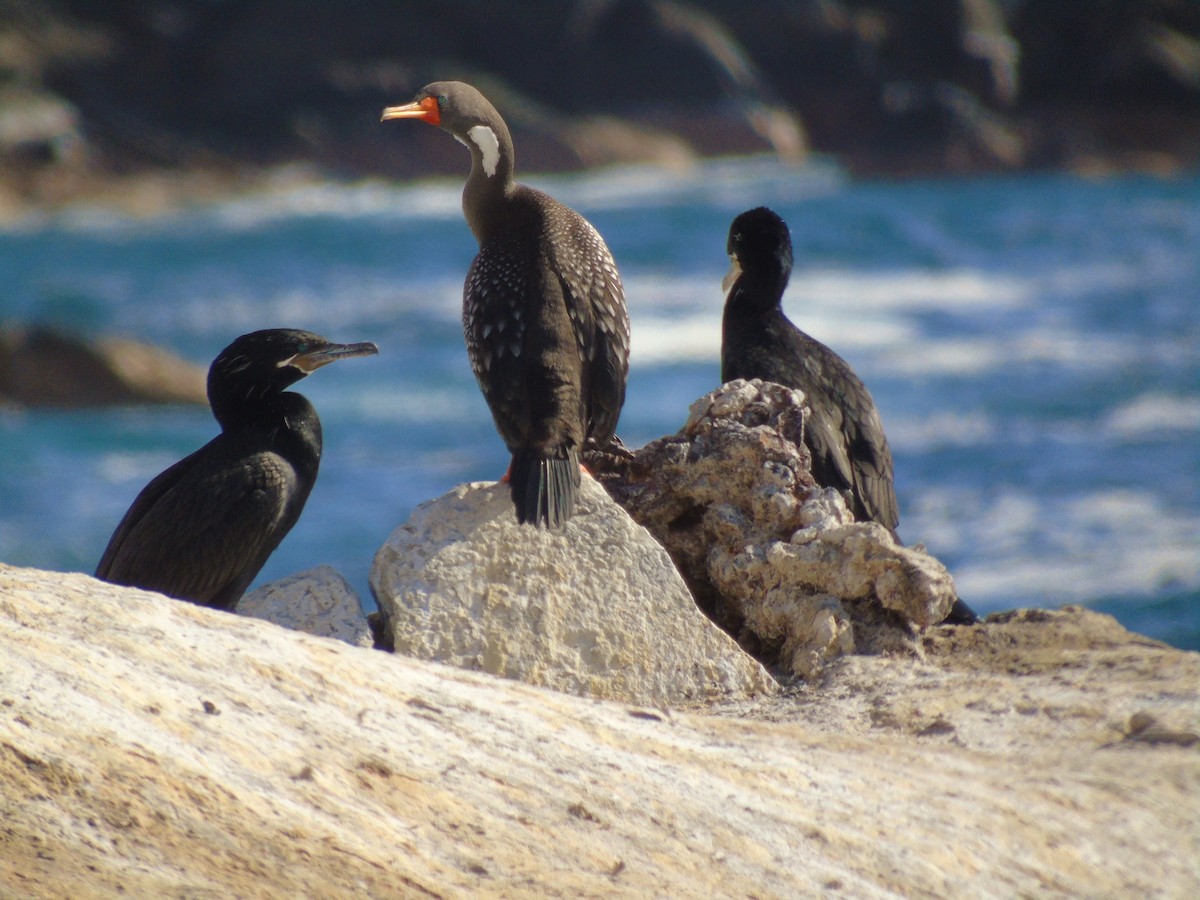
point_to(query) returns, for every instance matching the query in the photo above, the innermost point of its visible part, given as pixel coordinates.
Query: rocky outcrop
(40, 366)
(595, 609)
(777, 561)
(318, 601)
(154, 748)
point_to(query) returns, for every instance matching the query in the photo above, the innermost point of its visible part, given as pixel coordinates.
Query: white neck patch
(485, 139)
(735, 271)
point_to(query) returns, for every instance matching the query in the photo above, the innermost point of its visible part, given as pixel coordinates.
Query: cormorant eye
(302, 347)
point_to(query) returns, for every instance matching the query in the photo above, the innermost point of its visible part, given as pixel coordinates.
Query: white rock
(317, 601)
(596, 609)
(152, 748)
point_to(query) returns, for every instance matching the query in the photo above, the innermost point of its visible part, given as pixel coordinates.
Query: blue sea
(1033, 345)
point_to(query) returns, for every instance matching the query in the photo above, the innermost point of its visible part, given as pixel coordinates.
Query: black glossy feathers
(203, 529)
(843, 431)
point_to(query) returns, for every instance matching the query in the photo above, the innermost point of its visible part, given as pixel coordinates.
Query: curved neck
(757, 292)
(238, 402)
(287, 418)
(491, 178)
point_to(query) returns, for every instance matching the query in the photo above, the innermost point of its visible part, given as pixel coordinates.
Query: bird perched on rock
(543, 311)
(203, 528)
(843, 431)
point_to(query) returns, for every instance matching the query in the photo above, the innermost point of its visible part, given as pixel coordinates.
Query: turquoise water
(1033, 345)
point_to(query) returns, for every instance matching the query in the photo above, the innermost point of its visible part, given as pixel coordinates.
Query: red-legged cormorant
(543, 311)
(843, 431)
(203, 529)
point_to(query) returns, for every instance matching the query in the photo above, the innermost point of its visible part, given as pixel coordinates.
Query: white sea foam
(1072, 281)
(1027, 550)
(616, 187)
(127, 466)
(679, 319)
(940, 429)
(436, 200)
(874, 316)
(221, 306)
(938, 355)
(842, 291)
(296, 194)
(661, 340)
(849, 311)
(1153, 413)
(428, 405)
(724, 183)
(912, 291)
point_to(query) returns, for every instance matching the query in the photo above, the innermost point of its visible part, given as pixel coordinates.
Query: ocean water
(1033, 344)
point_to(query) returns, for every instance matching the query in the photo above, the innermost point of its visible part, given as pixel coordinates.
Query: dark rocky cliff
(91, 91)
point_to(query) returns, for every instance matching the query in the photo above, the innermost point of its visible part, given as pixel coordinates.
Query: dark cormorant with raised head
(843, 431)
(543, 311)
(203, 529)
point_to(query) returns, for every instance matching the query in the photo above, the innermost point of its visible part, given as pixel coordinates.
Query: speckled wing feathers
(513, 297)
(596, 303)
(494, 325)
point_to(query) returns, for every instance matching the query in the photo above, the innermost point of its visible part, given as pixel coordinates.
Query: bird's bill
(312, 360)
(425, 109)
(735, 270)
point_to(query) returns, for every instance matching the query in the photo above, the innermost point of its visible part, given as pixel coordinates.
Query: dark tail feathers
(543, 489)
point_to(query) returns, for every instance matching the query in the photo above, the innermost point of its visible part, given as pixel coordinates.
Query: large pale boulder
(596, 608)
(779, 562)
(152, 748)
(317, 601)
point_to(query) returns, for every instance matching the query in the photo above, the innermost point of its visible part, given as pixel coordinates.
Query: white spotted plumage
(543, 313)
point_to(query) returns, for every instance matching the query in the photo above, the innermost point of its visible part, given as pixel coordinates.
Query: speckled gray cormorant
(843, 431)
(543, 311)
(203, 528)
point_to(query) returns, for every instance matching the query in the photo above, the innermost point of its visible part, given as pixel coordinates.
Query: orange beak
(425, 109)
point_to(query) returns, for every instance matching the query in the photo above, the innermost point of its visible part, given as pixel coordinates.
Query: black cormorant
(203, 529)
(543, 311)
(843, 431)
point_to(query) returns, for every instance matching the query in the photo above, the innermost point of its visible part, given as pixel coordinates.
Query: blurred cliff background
(105, 97)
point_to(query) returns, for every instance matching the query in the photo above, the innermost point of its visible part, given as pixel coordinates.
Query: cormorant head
(760, 245)
(265, 362)
(464, 112)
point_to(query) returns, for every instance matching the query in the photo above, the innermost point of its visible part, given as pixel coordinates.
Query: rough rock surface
(1022, 680)
(317, 601)
(43, 367)
(463, 583)
(777, 561)
(150, 748)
